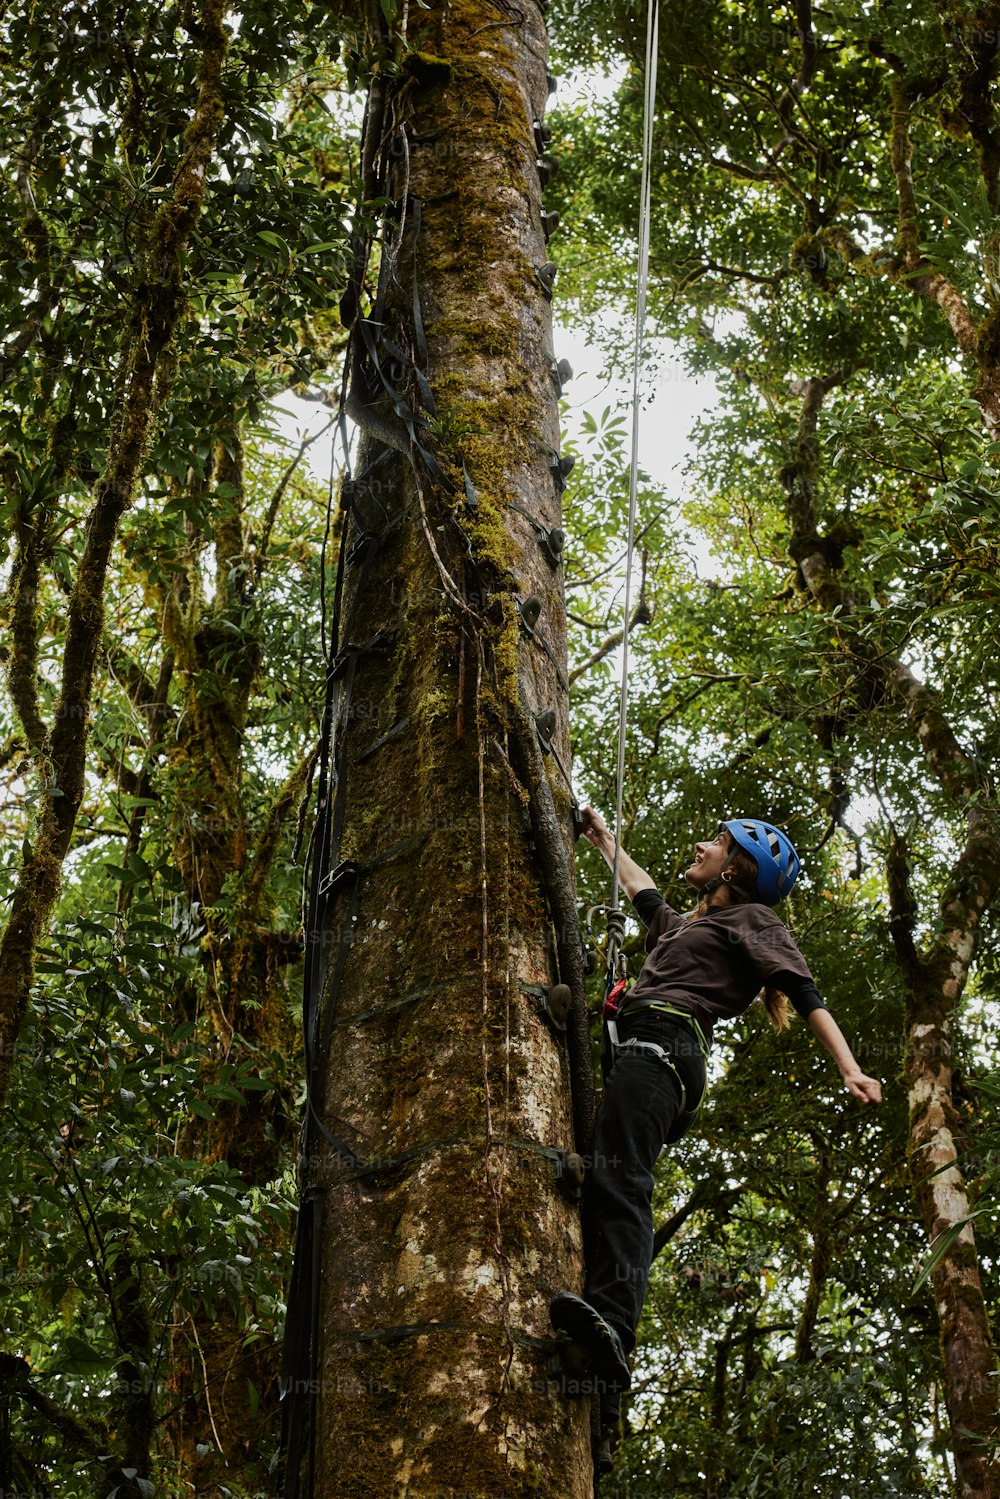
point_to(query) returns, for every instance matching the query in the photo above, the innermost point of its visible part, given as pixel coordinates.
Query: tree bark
(443, 1239)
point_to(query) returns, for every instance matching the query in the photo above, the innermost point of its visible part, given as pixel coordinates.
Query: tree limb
(641, 615)
(143, 378)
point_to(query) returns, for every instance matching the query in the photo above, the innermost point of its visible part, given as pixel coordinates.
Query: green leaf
(269, 237)
(74, 1355)
(942, 1245)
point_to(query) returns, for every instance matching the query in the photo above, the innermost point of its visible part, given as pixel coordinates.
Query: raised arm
(633, 879)
(866, 1089)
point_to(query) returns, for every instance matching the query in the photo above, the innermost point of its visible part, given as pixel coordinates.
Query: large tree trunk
(441, 1242)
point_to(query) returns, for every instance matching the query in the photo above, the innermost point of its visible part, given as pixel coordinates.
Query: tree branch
(641, 615)
(142, 382)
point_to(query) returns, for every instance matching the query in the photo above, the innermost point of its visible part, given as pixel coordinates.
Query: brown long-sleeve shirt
(716, 965)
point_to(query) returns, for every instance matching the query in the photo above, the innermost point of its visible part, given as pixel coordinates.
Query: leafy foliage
(147, 1153)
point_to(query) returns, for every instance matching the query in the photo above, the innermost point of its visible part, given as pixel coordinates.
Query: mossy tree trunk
(440, 1251)
(143, 379)
(225, 850)
(936, 978)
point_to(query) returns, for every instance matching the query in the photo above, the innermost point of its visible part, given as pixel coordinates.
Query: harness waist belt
(662, 1006)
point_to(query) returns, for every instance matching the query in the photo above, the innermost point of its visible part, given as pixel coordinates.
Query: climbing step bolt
(543, 135)
(569, 1173)
(552, 541)
(545, 723)
(548, 167)
(554, 1005)
(531, 608)
(545, 275)
(562, 465)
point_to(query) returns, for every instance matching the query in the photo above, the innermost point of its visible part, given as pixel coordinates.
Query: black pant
(641, 1104)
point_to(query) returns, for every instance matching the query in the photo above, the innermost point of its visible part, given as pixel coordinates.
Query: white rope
(642, 278)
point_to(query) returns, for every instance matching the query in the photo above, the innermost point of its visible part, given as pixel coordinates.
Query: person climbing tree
(700, 968)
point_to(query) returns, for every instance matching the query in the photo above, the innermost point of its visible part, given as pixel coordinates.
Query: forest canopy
(184, 193)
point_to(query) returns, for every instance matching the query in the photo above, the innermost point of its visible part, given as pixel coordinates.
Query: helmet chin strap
(712, 885)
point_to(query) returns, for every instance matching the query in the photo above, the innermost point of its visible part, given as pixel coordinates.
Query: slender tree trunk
(442, 1241)
(935, 976)
(143, 379)
(936, 980)
(213, 1427)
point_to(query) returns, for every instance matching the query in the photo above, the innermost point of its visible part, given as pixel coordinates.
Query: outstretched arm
(866, 1089)
(633, 879)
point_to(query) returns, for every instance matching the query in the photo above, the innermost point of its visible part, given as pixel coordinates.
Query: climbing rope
(615, 921)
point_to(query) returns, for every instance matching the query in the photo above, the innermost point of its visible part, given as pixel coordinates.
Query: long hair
(743, 891)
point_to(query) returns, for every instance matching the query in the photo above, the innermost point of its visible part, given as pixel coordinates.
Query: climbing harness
(615, 1006)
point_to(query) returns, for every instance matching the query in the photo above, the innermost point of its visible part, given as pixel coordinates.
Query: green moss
(426, 69)
(988, 339)
(433, 705)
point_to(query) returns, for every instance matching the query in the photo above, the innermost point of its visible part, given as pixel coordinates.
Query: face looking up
(709, 859)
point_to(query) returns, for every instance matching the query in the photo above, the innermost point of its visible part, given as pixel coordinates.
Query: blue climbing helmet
(771, 850)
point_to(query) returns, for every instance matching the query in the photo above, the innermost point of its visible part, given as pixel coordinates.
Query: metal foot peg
(569, 1170)
(578, 822)
(561, 465)
(606, 1439)
(552, 540)
(603, 1460)
(545, 723)
(344, 874)
(545, 275)
(548, 167)
(554, 1006)
(569, 1368)
(531, 608)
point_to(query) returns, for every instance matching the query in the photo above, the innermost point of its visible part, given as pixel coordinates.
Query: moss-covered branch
(80, 1436)
(22, 663)
(142, 380)
(975, 113)
(902, 906)
(820, 1262)
(882, 264)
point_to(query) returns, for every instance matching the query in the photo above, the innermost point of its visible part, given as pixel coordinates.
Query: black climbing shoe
(582, 1323)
